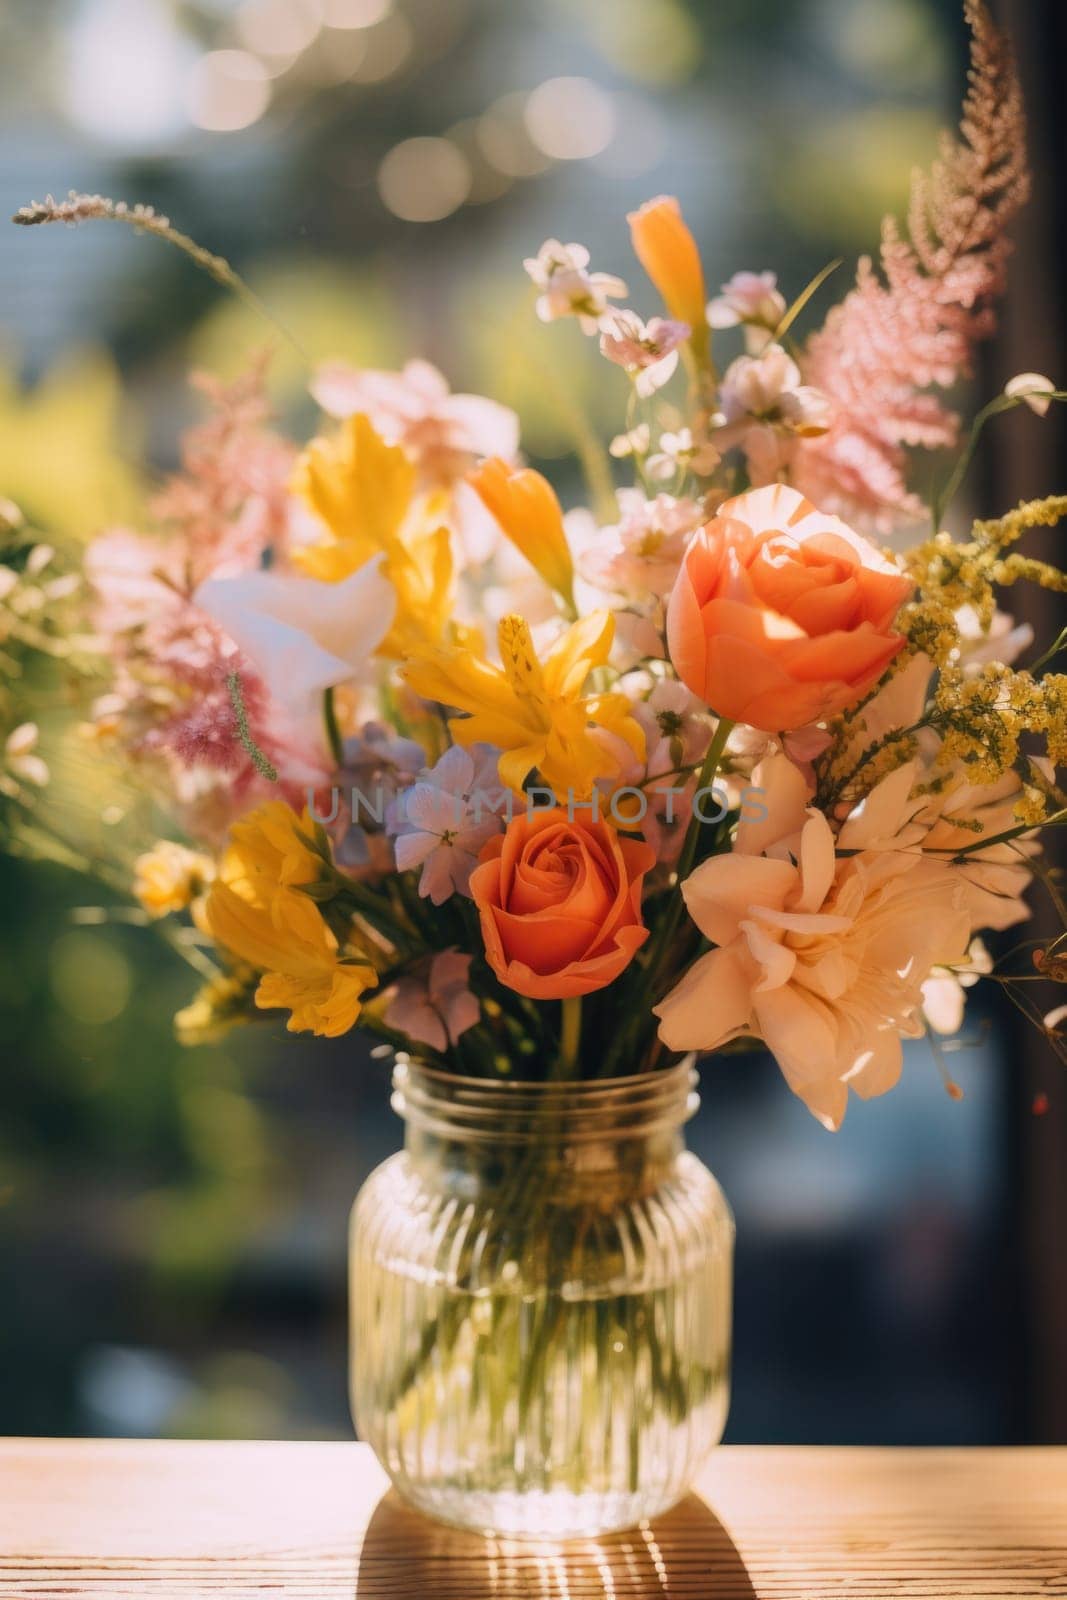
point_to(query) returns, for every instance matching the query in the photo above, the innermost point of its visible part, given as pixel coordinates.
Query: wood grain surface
(105, 1518)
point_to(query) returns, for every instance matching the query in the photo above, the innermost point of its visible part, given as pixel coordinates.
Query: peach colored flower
(560, 903)
(782, 616)
(822, 957)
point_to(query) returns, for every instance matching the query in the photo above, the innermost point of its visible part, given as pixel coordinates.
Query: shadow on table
(686, 1554)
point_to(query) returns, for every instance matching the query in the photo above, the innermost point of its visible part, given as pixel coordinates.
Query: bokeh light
(123, 70)
(505, 140)
(653, 41)
(423, 180)
(228, 90)
(570, 118)
(278, 28)
(355, 13)
(388, 45)
(90, 978)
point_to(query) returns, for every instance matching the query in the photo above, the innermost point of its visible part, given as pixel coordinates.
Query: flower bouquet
(547, 802)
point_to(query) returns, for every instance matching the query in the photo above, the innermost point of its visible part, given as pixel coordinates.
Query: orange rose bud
(668, 252)
(560, 903)
(782, 616)
(525, 505)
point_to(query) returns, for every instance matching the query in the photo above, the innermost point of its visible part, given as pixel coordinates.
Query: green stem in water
(570, 1037)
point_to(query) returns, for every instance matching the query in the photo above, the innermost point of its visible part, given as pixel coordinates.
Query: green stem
(708, 774)
(1002, 402)
(333, 731)
(570, 1037)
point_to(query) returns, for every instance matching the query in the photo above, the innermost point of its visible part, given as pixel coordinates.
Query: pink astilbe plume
(230, 501)
(170, 702)
(890, 342)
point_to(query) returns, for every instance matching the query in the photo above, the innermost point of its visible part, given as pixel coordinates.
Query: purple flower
(377, 766)
(435, 1005)
(442, 822)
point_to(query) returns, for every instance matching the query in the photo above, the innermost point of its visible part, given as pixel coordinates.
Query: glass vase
(541, 1301)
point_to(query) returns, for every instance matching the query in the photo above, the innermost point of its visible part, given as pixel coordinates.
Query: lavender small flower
(377, 766)
(435, 1005)
(442, 822)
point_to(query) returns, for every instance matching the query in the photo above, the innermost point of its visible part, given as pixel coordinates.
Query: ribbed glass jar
(541, 1301)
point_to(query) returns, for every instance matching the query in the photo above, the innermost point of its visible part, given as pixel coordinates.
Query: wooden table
(111, 1518)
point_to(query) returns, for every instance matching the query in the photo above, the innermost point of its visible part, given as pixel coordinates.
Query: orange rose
(782, 616)
(560, 903)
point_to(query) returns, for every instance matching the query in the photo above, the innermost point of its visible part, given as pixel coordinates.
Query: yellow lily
(535, 713)
(525, 505)
(363, 489)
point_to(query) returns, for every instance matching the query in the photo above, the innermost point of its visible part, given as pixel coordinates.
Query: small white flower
(943, 990)
(647, 350)
(679, 452)
(754, 385)
(1031, 387)
(442, 822)
(634, 443)
(752, 300)
(568, 289)
(806, 411)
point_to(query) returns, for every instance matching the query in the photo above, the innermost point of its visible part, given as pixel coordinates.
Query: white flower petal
(303, 636)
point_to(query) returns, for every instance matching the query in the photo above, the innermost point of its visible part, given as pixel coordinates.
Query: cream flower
(568, 288)
(303, 636)
(1032, 388)
(641, 554)
(822, 957)
(996, 877)
(945, 990)
(752, 300)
